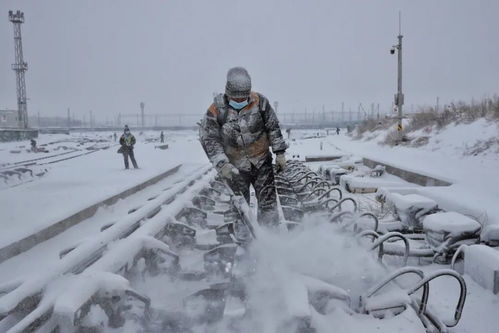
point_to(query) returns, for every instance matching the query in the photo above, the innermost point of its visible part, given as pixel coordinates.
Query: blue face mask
(238, 105)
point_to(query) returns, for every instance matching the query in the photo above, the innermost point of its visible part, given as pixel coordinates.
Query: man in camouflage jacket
(236, 133)
(127, 141)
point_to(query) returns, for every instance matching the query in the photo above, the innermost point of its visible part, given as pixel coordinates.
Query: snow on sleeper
(451, 223)
(411, 207)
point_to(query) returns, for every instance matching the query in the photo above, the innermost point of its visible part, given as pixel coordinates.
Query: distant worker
(337, 131)
(115, 136)
(127, 141)
(33, 146)
(236, 134)
(288, 132)
(162, 137)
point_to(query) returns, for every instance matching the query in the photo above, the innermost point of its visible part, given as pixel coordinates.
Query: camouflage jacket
(127, 140)
(243, 138)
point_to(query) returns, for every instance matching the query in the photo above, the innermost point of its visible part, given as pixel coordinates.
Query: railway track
(17, 173)
(193, 258)
(52, 158)
(26, 295)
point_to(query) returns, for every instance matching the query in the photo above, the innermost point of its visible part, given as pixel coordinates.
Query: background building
(9, 118)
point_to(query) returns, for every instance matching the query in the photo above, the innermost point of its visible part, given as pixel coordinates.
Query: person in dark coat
(162, 137)
(33, 146)
(127, 141)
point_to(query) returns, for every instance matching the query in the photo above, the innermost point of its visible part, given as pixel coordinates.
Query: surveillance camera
(392, 51)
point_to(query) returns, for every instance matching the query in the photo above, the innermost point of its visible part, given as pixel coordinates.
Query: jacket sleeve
(272, 126)
(211, 139)
(133, 141)
(122, 140)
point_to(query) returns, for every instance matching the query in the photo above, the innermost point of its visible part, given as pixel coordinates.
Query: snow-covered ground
(458, 140)
(47, 253)
(282, 260)
(71, 185)
(475, 179)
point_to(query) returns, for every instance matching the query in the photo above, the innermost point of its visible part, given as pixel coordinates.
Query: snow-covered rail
(19, 172)
(27, 298)
(53, 158)
(193, 258)
(304, 190)
(57, 227)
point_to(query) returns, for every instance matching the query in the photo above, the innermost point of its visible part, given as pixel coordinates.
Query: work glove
(280, 161)
(228, 171)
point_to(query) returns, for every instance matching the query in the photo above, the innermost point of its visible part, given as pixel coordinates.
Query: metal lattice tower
(17, 18)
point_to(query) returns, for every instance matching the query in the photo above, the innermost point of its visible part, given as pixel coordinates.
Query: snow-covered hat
(238, 83)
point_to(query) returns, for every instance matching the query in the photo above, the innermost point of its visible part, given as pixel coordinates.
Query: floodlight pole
(17, 18)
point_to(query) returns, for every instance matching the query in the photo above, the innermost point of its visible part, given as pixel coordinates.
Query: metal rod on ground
(244, 209)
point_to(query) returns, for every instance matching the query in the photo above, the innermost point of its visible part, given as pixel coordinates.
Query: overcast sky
(109, 55)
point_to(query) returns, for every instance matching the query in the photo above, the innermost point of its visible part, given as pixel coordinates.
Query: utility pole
(276, 104)
(142, 105)
(399, 96)
(343, 111)
(69, 119)
(19, 67)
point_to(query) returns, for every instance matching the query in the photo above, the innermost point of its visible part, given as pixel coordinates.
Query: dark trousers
(262, 180)
(129, 152)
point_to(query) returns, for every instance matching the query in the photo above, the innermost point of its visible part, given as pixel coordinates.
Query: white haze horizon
(108, 56)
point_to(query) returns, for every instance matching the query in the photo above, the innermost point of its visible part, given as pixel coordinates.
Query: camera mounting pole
(399, 96)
